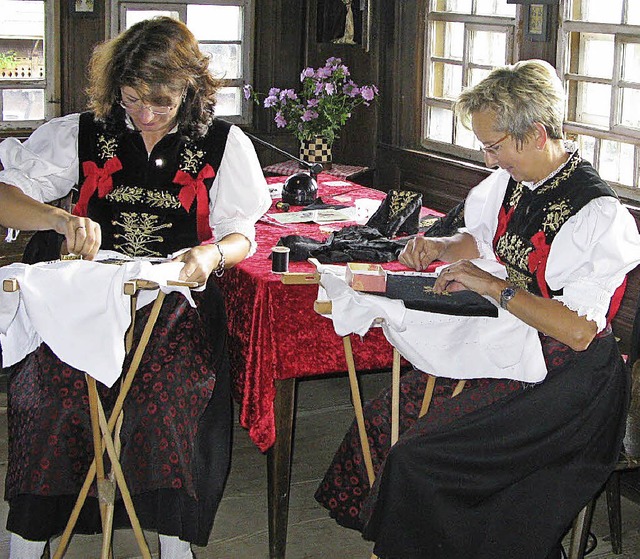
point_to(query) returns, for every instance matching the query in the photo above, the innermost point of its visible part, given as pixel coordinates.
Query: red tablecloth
(274, 331)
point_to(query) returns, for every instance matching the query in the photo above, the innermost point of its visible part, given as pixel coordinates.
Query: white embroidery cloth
(459, 347)
(79, 309)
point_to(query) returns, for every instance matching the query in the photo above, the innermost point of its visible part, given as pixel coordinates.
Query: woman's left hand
(199, 262)
(466, 275)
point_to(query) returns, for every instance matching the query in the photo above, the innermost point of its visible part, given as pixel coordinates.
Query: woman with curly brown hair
(158, 176)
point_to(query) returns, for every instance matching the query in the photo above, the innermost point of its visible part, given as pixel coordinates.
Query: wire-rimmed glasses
(494, 147)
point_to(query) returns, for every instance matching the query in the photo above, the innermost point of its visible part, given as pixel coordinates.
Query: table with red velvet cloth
(275, 337)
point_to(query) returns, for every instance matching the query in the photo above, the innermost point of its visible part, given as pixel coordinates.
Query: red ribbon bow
(538, 261)
(195, 189)
(96, 178)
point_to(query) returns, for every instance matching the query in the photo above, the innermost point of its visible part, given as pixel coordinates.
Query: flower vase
(317, 150)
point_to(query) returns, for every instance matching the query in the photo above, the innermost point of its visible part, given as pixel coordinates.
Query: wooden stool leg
(580, 532)
(395, 397)
(357, 404)
(113, 418)
(612, 489)
(428, 395)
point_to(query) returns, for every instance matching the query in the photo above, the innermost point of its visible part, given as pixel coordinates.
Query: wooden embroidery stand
(324, 308)
(106, 433)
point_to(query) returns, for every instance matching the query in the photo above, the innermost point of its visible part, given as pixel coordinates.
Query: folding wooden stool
(106, 434)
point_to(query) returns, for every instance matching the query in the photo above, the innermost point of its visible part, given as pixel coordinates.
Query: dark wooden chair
(628, 333)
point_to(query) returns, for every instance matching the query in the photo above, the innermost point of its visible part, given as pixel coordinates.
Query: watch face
(506, 295)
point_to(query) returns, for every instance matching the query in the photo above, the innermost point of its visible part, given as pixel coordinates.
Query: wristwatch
(506, 295)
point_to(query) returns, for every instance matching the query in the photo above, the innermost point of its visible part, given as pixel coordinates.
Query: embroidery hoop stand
(106, 434)
(324, 308)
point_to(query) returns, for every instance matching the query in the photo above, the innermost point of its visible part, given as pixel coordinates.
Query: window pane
(593, 105)
(616, 162)
(21, 40)
(605, 11)
(596, 55)
(135, 16)
(465, 137)
(22, 104)
(226, 60)
(446, 80)
(488, 47)
(631, 62)
(476, 75)
(633, 12)
(587, 148)
(229, 101)
(440, 125)
(630, 102)
(495, 7)
(223, 23)
(461, 6)
(447, 40)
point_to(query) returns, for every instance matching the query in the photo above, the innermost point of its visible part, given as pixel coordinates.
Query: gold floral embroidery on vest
(400, 200)
(162, 199)
(561, 176)
(556, 214)
(191, 160)
(516, 195)
(514, 250)
(129, 194)
(517, 278)
(107, 146)
(136, 194)
(139, 231)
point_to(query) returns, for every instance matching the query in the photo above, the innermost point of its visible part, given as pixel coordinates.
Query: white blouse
(45, 167)
(589, 256)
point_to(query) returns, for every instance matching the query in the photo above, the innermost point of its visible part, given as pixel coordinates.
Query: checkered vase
(317, 150)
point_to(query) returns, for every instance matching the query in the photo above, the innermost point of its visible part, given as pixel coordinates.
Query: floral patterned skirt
(500, 471)
(175, 435)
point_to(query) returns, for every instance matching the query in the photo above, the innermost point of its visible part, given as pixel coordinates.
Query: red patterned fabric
(274, 331)
(96, 178)
(195, 189)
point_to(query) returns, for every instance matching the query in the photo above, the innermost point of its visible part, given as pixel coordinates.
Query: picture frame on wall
(345, 22)
(83, 6)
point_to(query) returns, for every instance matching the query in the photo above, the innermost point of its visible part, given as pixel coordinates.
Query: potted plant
(316, 114)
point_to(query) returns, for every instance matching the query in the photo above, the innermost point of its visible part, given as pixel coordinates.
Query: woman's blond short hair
(520, 95)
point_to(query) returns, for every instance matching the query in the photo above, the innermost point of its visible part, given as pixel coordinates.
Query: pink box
(366, 277)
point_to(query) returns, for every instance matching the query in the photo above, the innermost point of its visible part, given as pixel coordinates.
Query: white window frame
(51, 82)
(471, 23)
(116, 19)
(623, 33)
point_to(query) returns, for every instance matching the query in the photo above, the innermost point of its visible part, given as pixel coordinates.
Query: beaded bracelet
(219, 271)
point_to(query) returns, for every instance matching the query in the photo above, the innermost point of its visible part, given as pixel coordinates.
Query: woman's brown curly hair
(160, 59)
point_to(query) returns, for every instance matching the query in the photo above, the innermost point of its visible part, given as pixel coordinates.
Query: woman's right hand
(419, 252)
(83, 236)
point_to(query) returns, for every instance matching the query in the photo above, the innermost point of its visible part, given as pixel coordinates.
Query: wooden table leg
(279, 468)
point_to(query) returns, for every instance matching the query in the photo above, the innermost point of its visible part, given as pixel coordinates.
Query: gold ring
(80, 227)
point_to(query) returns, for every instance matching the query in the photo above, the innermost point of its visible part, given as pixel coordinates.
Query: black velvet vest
(529, 220)
(148, 205)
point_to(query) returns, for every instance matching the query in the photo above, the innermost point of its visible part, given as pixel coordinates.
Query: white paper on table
(328, 215)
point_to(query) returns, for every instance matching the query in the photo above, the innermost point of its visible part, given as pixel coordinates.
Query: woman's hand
(82, 235)
(419, 252)
(199, 262)
(466, 275)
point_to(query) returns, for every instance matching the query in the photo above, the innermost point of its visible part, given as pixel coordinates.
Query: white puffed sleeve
(590, 256)
(45, 165)
(239, 193)
(481, 209)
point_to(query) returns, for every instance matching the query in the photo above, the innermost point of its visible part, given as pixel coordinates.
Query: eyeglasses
(494, 147)
(137, 106)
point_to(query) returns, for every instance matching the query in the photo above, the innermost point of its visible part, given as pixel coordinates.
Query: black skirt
(499, 472)
(176, 435)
